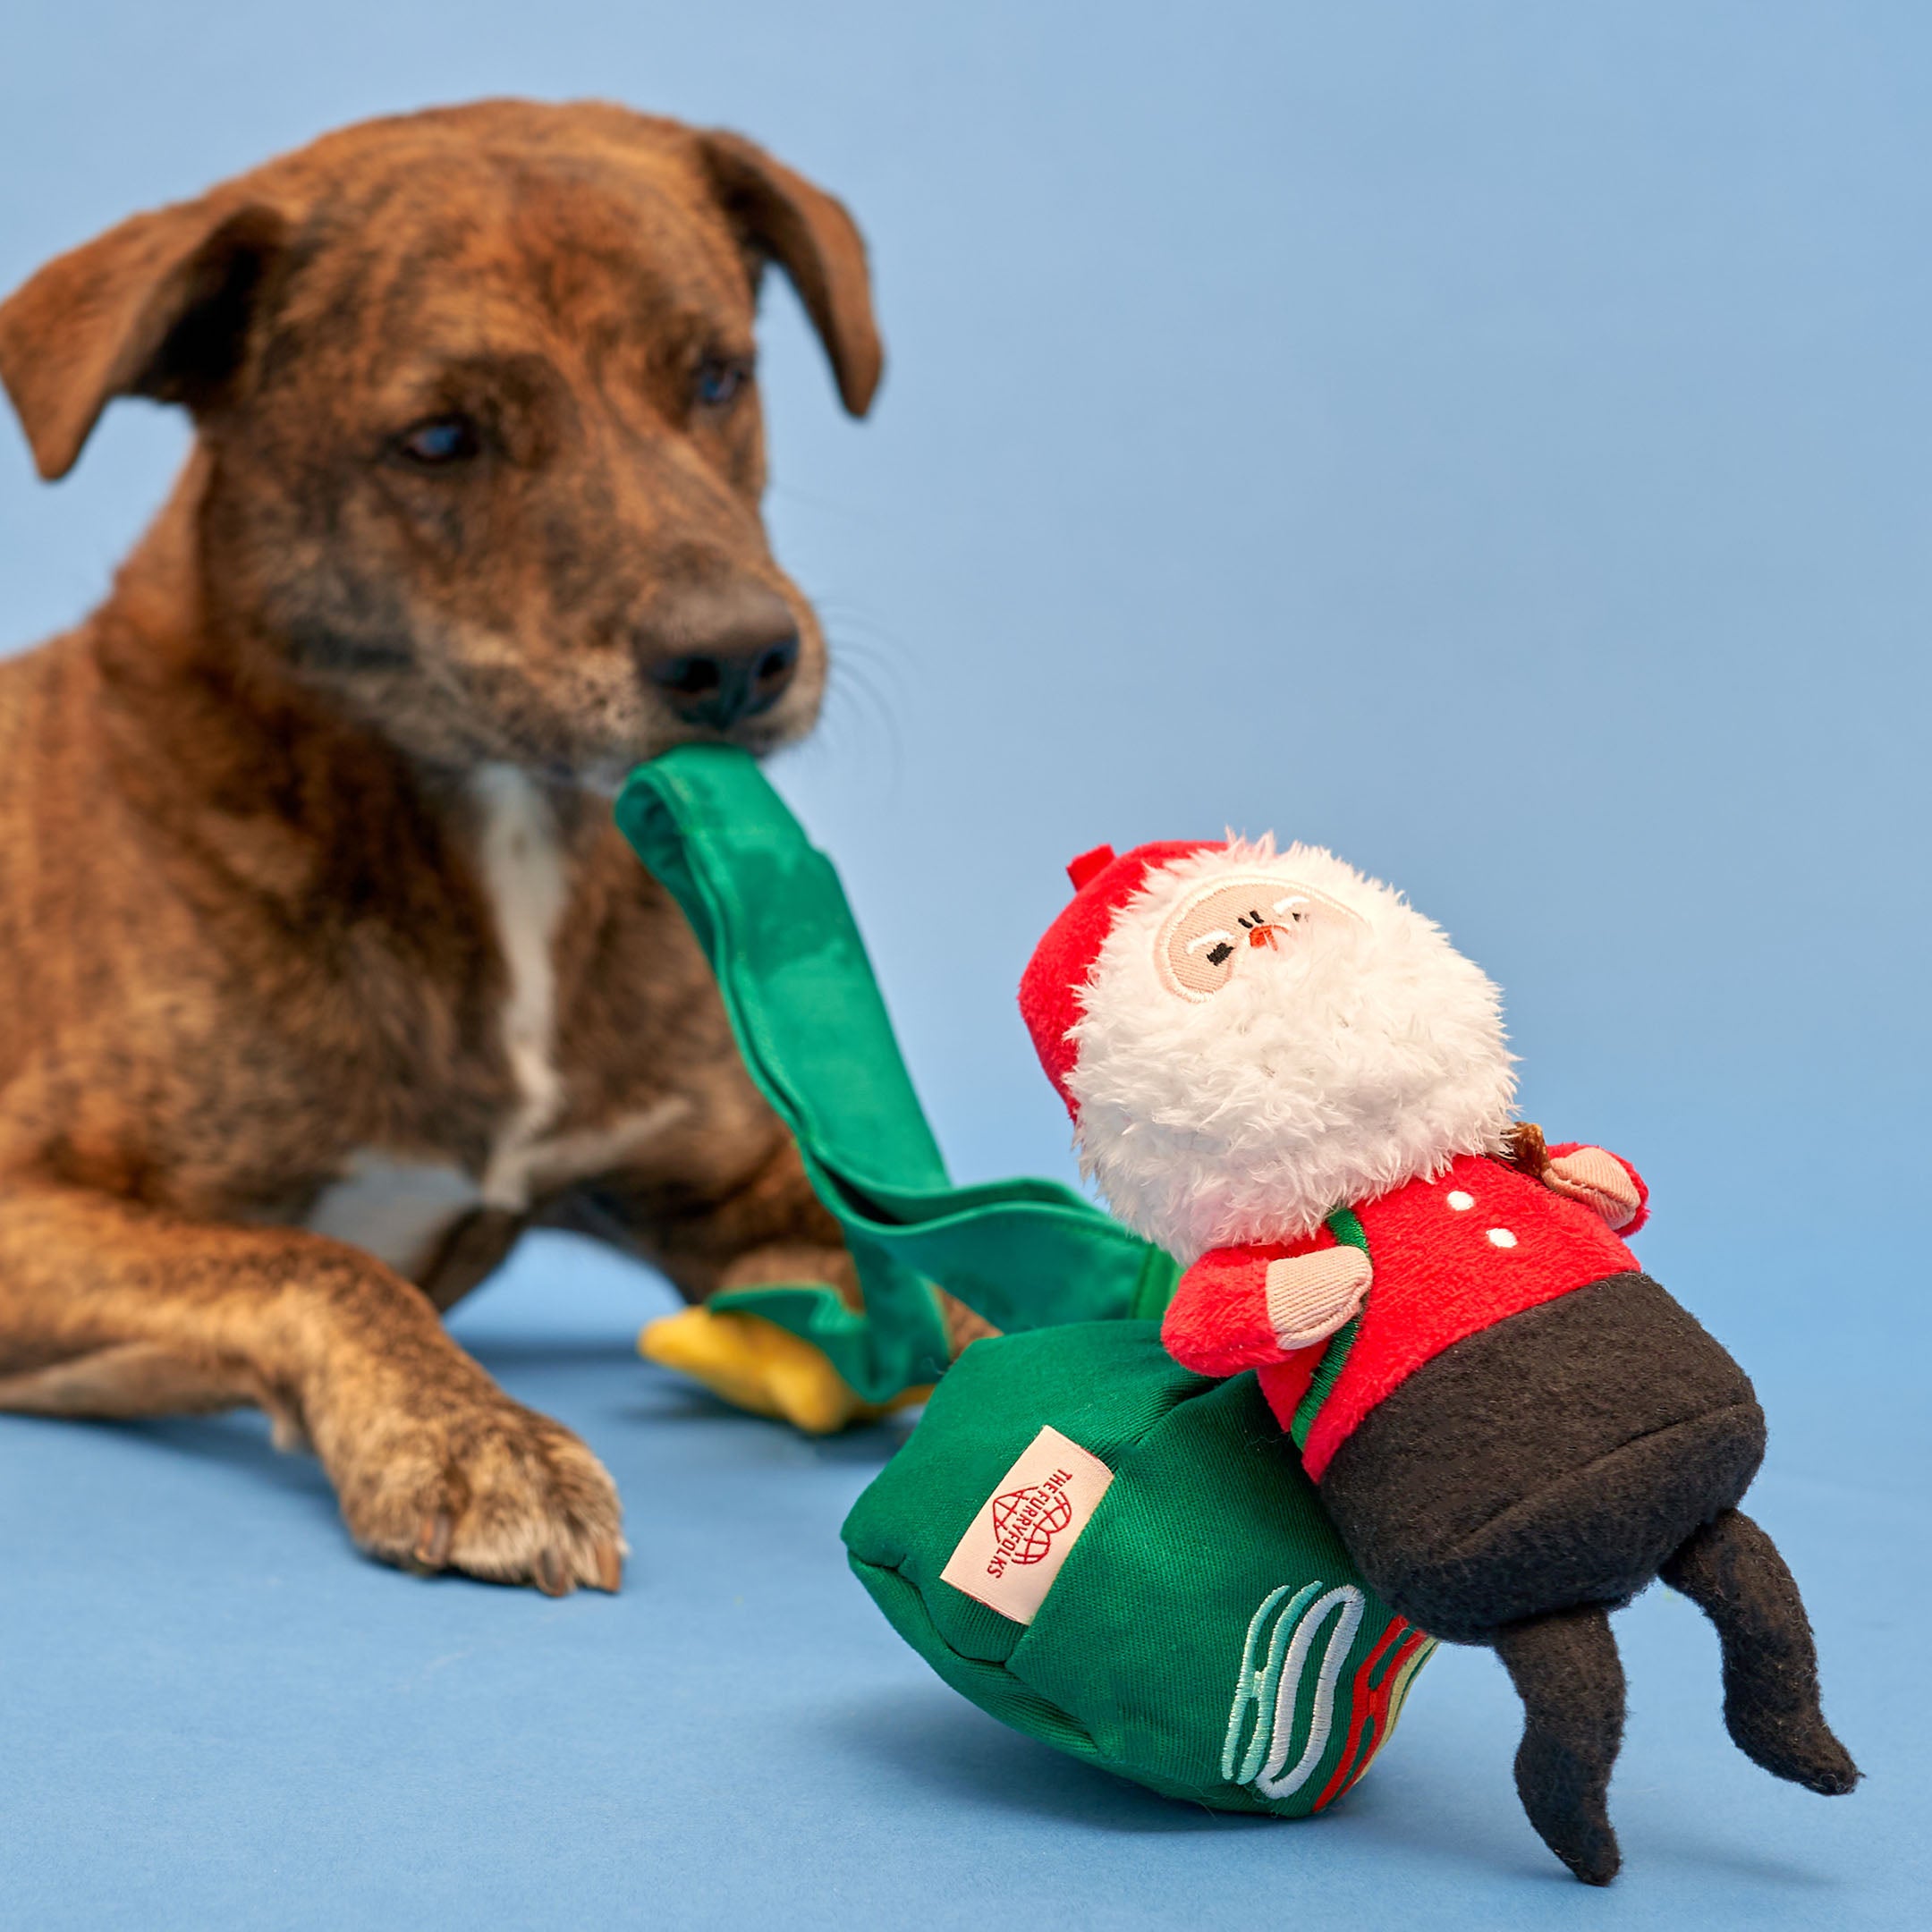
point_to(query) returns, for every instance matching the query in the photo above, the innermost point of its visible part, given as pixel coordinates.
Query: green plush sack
(1099, 1547)
(1205, 1634)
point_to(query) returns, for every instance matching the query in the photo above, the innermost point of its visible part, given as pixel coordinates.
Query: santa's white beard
(1354, 1059)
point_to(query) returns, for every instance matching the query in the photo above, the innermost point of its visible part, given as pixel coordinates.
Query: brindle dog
(326, 973)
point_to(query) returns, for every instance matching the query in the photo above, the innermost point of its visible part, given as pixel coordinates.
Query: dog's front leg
(108, 1308)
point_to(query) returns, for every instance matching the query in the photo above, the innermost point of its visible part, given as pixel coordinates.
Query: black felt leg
(1566, 1671)
(1733, 1571)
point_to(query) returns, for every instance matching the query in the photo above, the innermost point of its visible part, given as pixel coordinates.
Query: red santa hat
(1063, 962)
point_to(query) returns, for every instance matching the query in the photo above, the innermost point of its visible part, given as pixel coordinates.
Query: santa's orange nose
(1262, 936)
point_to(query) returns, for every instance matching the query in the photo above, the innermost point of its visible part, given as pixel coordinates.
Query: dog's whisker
(854, 622)
(855, 678)
(858, 725)
(878, 662)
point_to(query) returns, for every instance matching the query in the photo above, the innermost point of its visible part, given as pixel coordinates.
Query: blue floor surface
(215, 1714)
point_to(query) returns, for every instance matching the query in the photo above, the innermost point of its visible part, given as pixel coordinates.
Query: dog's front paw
(491, 1489)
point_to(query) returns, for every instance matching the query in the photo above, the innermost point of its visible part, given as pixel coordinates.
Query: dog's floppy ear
(784, 219)
(155, 307)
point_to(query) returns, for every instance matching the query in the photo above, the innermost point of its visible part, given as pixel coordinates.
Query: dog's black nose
(739, 651)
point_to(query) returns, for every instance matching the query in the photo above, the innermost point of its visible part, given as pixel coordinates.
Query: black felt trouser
(1556, 1459)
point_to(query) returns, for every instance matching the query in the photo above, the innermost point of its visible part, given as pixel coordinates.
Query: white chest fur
(398, 1207)
(523, 871)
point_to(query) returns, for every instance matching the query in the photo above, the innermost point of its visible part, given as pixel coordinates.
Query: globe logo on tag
(1024, 1531)
(1025, 1521)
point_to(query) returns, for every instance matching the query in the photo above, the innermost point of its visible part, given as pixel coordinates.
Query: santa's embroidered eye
(1217, 942)
(1289, 905)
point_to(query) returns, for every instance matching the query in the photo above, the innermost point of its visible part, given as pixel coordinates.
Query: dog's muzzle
(719, 657)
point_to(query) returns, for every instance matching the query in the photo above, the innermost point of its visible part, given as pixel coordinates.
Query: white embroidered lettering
(1271, 1689)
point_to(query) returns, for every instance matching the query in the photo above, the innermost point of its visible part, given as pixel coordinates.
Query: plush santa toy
(1287, 1077)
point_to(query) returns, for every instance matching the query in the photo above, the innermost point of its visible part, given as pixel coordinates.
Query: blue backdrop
(1489, 439)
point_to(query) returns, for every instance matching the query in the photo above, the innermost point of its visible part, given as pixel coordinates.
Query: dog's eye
(718, 381)
(438, 442)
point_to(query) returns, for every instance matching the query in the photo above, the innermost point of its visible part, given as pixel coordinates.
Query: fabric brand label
(1013, 1548)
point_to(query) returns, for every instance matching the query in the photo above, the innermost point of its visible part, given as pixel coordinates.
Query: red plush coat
(1451, 1255)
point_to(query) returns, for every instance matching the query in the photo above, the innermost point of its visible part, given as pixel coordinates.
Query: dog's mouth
(770, 732)
(601, 769)
(603, 774)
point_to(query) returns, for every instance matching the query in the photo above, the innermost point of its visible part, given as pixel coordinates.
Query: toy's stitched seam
(1460, 1547)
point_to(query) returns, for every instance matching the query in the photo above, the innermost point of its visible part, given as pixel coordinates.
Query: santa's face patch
(1227, 924)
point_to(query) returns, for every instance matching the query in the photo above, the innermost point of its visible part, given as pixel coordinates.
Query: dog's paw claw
(609, 1559)
(433, 1540)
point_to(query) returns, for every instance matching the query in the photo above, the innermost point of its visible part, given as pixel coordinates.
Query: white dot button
(1501, 1237)
(1461, 1201)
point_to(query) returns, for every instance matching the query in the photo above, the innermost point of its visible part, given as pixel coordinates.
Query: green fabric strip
(769, 910)
(1347, 1231)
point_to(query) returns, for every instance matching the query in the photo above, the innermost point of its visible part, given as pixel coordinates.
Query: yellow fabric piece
(756, 1365)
